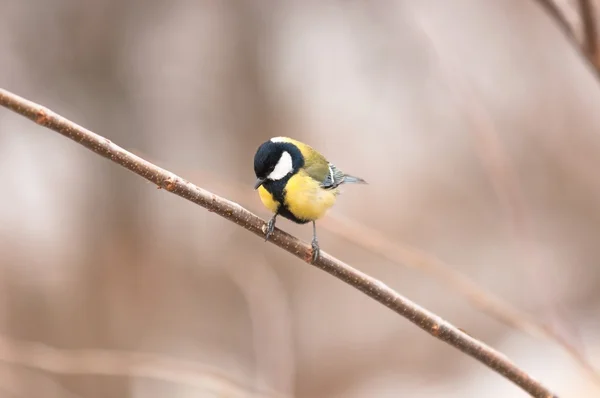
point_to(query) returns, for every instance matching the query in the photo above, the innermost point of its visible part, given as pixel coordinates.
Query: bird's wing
(315, 164)
(318, 168)
(334, 178)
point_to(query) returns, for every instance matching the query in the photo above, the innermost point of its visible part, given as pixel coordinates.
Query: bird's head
(276, 159)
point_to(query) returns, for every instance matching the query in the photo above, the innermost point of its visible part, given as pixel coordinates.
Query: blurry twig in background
(269, 309)
(583, 32)
(370, 286)
(557, 10)
(590, 31)
(124, 364)
(504, 180)
(20, 381)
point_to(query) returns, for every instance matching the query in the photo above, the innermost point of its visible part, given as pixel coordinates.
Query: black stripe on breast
(277, 189)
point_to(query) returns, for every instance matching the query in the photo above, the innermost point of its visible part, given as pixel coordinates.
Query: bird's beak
(259, 182)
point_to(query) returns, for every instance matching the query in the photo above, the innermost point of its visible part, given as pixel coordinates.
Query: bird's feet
(270, 228)
(315, 250)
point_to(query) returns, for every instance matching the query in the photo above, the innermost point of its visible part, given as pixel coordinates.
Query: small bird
(297, 182)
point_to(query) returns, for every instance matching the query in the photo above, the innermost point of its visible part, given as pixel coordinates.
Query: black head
(274, 161)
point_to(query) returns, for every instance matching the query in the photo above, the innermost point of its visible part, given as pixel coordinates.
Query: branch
(231, 211)
(590, 31)
(587, 46)
(554, 10)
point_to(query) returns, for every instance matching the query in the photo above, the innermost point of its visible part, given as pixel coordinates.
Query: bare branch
(231, 211)
(556, 12)
(585, 22)
(590, 31)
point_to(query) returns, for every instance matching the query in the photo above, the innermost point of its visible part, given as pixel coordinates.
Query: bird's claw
(270, 228)
(315, 251)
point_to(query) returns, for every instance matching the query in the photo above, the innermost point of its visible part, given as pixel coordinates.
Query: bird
(298, 183)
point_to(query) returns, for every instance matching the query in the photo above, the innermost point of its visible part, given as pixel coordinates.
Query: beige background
(475, 122)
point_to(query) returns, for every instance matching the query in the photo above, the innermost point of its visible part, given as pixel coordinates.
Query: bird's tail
(353, 180)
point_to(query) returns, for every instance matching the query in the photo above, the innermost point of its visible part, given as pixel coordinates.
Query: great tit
(297, 182)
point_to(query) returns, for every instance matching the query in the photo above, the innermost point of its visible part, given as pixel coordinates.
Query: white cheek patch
(283, 167)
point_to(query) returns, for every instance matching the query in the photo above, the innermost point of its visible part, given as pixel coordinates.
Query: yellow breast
(306, 199)
(267, 199)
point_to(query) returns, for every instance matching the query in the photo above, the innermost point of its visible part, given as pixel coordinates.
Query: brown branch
(590, 31)
(231, 211)
(588, 45)
(558, 15)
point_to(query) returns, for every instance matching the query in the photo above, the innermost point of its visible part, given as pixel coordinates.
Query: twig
(128, 364)
(231, 211)
(587, 47)
(557, 14)
(590, 31)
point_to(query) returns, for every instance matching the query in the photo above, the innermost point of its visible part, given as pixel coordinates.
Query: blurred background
(475, 123)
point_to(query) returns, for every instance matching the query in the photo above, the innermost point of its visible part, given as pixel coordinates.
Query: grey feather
(336, 177)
